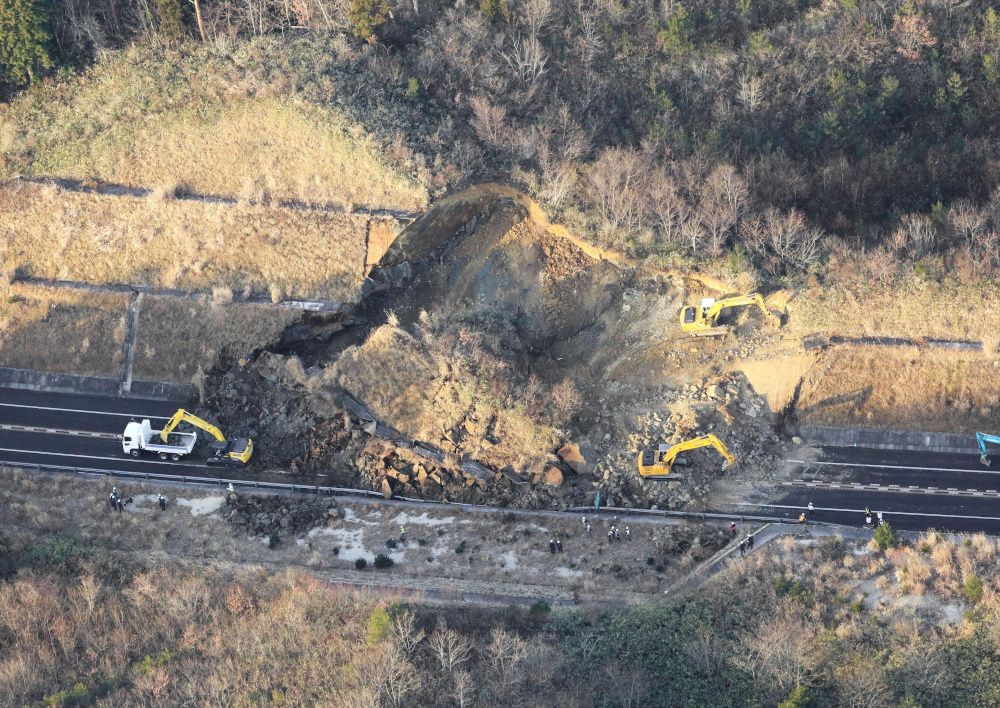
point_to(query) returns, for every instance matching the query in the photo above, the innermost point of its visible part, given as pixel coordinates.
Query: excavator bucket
(725, 465)
(985, 460)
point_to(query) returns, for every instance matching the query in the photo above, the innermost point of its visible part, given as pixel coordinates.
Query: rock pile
(265, 515)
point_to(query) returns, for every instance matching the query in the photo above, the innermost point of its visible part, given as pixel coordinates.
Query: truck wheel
(163, 455)
(135, 453)
(175, 457)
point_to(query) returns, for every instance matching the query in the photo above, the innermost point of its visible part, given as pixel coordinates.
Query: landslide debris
(260, 515)
(509, 367)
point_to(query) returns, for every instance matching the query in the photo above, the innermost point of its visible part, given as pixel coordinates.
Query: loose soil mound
(775, 380)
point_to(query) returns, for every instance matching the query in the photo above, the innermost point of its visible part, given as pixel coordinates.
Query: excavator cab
(231, 453)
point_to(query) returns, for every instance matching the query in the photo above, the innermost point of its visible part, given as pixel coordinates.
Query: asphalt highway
(81, 431)
(915, 490)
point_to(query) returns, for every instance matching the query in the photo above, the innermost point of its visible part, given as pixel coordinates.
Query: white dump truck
(140, 437)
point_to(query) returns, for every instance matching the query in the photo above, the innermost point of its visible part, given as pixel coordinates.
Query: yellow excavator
(659, 462)
(703, 320)
(230, 453)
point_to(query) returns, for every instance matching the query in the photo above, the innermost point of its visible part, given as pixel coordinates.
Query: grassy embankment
(902, 387)
(195, 121)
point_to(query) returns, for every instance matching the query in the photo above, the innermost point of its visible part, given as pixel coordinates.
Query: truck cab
(140, 437)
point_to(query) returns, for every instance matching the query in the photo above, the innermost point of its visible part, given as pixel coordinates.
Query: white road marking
(58, 431)
(951, 491)
(887, 513)
(98, 457)
(895, 467)
(77, 410)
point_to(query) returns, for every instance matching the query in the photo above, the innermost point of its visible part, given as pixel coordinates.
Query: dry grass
(61, 330)
(207, 121)
(179, 338)
(911, 307)
(902, 388)
(50, 233)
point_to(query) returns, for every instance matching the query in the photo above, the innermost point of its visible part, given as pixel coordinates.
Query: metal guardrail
(186, 479)
(366, 493)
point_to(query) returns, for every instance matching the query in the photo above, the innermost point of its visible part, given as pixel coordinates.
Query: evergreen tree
(171, 18)
(367, 16)
(495, 10)
(25, 34)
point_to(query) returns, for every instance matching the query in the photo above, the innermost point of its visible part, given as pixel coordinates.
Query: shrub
(460, 549)
(973, 588)
(857, 607)
(336, 550)
(798, 698)
(59, 551)
(379, 625)
(651, 561)
(421, 542)
(24, 39)
(541, 608)
(171, 18)
(366, 16)
(360, 563)
(390, 543)
(273, 541)
(885, 537)
(383, 561)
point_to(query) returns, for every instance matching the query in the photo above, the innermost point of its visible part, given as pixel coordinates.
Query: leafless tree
(506, 651)
(668, 208)
(489, 120)
(390, 674)
(628, 686)
(863, 685)
(778, 653)
(615, 182)
(916, 236)
(535, 14)
(406, 632)
(706, 652)
(750, 90)
(527, 60)
(967, 220)
(464, 689)
(451, 648)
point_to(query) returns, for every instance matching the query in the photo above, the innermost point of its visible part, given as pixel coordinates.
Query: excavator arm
(982, 439)
(660, 462)
(704, 318)
(183, 416)
(720, 305)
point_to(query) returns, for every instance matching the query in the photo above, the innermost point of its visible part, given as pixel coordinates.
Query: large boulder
(553, 477)
(581, 458)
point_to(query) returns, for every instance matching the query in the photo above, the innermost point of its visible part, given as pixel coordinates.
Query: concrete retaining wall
(96, 385)
(890, 439)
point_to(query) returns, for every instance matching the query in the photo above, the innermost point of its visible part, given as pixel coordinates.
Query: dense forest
(781, 132)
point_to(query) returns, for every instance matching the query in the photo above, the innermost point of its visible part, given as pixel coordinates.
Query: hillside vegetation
(817, 624)
(223, 120)
(51, 233)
